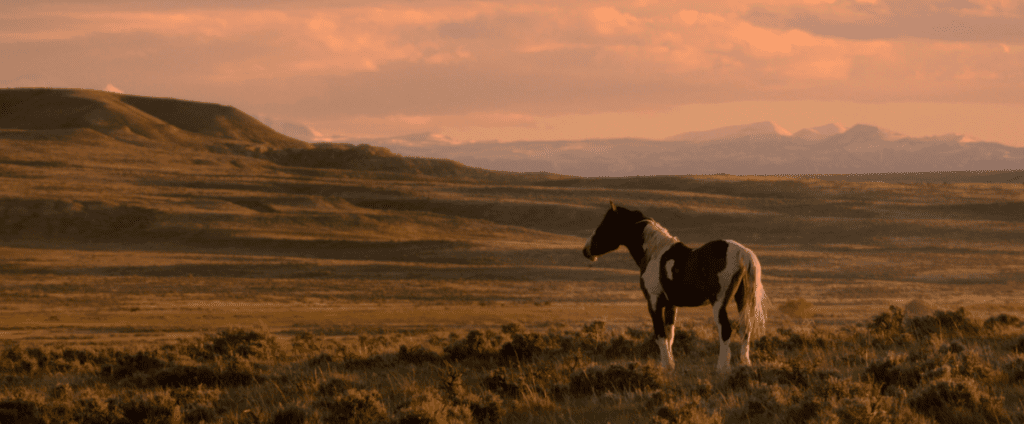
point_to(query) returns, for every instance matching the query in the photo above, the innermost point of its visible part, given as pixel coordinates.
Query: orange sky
(545, 69)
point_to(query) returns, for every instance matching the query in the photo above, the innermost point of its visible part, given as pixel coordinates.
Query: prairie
(149, 278)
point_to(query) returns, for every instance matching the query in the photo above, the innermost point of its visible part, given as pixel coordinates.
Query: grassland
(241, 284)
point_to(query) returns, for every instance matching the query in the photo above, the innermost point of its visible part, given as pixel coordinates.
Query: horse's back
(694, 273)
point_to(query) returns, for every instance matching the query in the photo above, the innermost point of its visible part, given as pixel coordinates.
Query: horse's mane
(656, 240)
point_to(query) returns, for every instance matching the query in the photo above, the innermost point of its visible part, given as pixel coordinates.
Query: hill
(152, 122)
(78, 126)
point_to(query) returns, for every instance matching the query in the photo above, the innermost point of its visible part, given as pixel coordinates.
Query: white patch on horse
(656, 241)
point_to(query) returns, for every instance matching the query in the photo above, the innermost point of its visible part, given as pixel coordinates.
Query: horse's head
(613, 231)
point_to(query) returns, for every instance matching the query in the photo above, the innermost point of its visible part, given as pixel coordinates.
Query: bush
(763, 403)
(957, 401)
(292, 414)
(888, 323)
(597, 380)
(355, 406)
(429, 407)
(417, 354)
(243, 343)
(138, 362)
(234, 373)
(894, 370)
(943, 323)
(1014, 370)
(502, 382)
(20, 411)
(475, 344)
(150, 408)
(527, 345)
(1001, 321)
(951, 360)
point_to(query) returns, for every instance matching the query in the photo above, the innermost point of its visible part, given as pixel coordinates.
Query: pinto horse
(672, 274)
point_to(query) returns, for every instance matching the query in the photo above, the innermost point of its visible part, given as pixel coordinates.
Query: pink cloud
(438, 63)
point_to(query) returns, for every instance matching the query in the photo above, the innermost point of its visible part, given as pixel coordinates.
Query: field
(146, 281)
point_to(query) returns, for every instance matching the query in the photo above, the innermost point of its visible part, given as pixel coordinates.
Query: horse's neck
(654, 239)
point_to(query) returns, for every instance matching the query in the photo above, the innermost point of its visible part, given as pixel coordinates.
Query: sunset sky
(552, 69)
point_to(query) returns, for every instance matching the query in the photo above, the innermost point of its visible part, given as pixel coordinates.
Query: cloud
(961, 21)
(390, 68)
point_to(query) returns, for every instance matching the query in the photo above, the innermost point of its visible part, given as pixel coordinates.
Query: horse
(672, 275)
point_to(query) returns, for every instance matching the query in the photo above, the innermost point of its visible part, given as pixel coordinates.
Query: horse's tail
(754, 318)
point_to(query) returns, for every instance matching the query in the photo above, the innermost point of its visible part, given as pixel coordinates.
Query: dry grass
(831, 374)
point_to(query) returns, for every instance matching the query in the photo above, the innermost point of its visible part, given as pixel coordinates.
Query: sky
(551, 69)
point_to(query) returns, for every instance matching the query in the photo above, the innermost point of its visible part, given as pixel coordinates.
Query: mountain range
(762, 148)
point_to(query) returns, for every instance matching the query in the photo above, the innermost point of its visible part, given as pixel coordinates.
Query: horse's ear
(613, 205)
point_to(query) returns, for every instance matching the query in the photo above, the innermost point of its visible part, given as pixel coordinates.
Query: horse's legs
(670, 326)
(744, 329)
(657, 308)
(725, 330)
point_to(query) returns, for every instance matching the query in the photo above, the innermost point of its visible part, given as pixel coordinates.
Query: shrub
(527, 345)
(292, 414)
(483, 409)
(512, 328)
(417, 354)
(1001, 321)
(888, 323)
(429, 407)
(20, 411)
(895, 370)
(597, 380)
(355, 406)
(502, 382)
(763, 403)
(13, 359)
(243, 343)
(150, 408)
(777, 374)
(951, 360)
(679, 411)
(307, 342)
(957, 400)
(92, 408)
(475, 344)
(138, 362)
(945, 323)
(234, 373)
(1014, 370)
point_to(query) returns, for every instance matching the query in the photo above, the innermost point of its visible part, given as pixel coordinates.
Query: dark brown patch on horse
(694, 278)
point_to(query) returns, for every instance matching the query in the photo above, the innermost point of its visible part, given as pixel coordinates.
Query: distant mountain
(762, 148)
(819, 133)
(766, 128)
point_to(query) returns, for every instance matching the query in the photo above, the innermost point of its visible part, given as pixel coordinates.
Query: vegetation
(945, 367)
